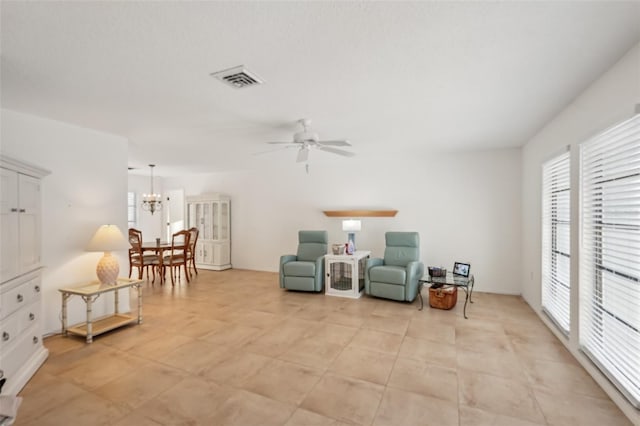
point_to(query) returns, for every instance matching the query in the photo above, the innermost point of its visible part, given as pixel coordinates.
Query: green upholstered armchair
(396, 276)
(305, 270)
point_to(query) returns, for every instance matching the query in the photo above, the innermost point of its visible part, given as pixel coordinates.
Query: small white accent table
(345, 274)
(89, 293)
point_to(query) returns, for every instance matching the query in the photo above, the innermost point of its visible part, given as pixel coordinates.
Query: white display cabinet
(211, 214)
(345, 274)
(21, 349)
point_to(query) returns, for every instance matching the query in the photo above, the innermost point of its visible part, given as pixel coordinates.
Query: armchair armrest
(285, 259)
(319, 280)
(415, 271)
(371, 262)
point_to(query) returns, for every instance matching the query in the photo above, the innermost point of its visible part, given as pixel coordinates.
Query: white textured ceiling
(389, 76)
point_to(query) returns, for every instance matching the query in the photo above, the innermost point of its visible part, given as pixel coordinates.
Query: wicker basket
(437, 272)
(443, 297)
(337, 248)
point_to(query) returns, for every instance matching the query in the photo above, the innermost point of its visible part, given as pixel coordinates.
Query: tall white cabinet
(21, 349)
(211, 214)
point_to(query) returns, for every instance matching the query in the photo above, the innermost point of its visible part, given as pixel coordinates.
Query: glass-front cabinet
(211, 214)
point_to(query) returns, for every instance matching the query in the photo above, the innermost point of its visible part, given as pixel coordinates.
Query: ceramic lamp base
(108, 269)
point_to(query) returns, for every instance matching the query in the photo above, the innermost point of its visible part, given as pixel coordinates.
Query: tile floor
(232, 348)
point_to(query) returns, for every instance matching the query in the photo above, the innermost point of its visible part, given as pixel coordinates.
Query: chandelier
(151, 202)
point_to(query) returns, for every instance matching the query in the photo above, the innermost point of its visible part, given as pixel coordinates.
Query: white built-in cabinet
(211, 214)
(21, 349)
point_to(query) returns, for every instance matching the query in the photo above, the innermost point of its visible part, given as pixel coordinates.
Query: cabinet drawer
(14, 325)
(19, 296)
(11, 360)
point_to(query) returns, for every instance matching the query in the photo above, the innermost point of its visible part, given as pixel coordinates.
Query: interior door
(175, 212)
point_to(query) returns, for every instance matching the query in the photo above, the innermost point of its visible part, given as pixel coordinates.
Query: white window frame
(609, 282)
(132, 209)
(556, 241)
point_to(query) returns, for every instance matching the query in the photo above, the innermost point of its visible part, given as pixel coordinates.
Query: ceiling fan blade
(303, 155)
(335, 143)
(278, 143)
(270, 151)
(337, 151)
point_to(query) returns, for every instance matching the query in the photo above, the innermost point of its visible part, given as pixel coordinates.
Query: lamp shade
(351, 225)
(108, 238)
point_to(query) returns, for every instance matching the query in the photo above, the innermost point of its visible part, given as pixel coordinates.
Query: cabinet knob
(32, 316)
(5, 336)
(35, 340)
(13, 210)
(37, 288)
(22, 210)
(20, 298)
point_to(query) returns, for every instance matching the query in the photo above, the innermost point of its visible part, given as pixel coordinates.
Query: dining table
(159, 247)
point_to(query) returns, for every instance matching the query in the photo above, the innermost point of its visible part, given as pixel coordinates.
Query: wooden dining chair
(138, 259)
(177, 256)
(191, 252)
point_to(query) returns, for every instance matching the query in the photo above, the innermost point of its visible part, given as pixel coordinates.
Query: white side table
(345, 274)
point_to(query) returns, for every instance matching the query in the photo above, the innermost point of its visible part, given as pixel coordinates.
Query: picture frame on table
(461, 269)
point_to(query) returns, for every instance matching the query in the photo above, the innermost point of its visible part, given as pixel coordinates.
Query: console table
(466, 283)
(345, 274)
(90, 293)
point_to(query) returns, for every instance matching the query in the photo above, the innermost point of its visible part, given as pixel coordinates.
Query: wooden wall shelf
(360, 213)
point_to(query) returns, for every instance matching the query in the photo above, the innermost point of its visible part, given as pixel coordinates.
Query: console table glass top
(466, 283)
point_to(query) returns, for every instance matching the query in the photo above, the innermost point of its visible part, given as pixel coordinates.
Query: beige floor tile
(476, 417)
(562, 377)
(190, 402)
(158, 348)
(333, 333)
(498, 395)
(345, 399)
(232, 336)
(236, 369)
(481, 341)
(283, 381)
(387, 324)
(101, 368)
(363, 364)
(312, 352)
(344, 318)
(432, 352)
(195, 356)
(568, 409)
(245, 408)
(39, 401)
(140, 386)
(503, 363)
(59, 344)
(85, 409)
(135, 419)
(278, 340)
(379, 341)
(402, 408)
(302, 417)
(426, 379)
(425, 329)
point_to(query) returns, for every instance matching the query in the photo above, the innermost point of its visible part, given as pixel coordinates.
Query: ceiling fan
(307, 139)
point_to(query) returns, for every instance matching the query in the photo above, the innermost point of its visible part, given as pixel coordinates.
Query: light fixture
(351, 225)
(151, 202)
(108, 238)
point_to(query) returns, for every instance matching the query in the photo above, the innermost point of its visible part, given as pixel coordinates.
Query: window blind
(131, 209)
(556, 240)
(610, 255)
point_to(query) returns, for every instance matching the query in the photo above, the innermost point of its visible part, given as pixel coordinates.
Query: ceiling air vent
(238, 77)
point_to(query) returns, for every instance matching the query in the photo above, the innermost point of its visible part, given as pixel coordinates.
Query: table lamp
(107, 239)
(351, 225)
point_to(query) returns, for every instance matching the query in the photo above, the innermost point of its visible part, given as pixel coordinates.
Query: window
(610, 255)
(131, 209)
(556, 240)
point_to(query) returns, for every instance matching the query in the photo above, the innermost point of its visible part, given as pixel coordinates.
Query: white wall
(610, 99)
(86, 188)
(466, 207)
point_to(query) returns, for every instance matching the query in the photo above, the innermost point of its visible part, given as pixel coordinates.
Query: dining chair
(177, 256)
(191, 252)
(138, 259)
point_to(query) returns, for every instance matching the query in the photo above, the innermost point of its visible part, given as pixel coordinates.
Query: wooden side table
(345, 274)
(89, 293)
